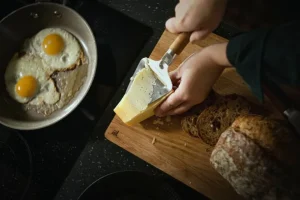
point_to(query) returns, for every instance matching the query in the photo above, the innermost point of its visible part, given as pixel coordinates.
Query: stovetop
(50, 153)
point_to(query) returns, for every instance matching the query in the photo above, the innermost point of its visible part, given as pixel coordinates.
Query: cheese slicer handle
(180, 42)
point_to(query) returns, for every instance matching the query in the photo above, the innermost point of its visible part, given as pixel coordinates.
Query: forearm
(264, 54)
(217, 54)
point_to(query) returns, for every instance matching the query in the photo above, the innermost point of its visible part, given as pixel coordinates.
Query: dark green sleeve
(267, 54)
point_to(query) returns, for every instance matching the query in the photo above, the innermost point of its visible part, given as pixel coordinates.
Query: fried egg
(47, 95)
(26, 78)
(57, 48)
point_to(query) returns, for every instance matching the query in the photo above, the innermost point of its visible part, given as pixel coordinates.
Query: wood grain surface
(162, 143)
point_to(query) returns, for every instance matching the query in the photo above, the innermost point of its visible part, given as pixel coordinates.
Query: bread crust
(274, 136)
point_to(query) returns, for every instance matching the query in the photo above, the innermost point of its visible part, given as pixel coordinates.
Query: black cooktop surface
(39, 161)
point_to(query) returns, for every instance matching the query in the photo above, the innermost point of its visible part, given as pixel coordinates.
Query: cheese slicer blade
(163, 84)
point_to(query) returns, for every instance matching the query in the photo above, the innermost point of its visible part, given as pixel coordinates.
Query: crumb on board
(158, 121)
(168, 118)
(153, 141)
(190, 182)
(185, 144)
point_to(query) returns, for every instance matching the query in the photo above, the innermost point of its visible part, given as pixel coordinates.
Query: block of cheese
(135, 105)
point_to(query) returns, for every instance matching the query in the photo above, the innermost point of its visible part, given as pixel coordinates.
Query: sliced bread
(189, 125)
(215, 119)
(189, 120)
(197, 109)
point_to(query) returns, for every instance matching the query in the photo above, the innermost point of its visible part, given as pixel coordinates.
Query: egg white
(27, 65)
(66, 59)
(47, 95)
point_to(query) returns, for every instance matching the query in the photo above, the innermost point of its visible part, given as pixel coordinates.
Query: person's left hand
(194, 80)
(200, 17)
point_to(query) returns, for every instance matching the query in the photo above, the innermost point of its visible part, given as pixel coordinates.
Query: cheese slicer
(163, 84)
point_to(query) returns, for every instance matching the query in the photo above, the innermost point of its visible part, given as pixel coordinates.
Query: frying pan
(24, 23)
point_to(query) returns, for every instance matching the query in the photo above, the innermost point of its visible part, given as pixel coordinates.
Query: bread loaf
(274, 136)
(252, 156)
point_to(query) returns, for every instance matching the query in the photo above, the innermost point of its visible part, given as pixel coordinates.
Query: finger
(176, 84)
(182, 108)
(171, 25)
(177, 7)
(174, 76)
(171, 102)
(199, 35)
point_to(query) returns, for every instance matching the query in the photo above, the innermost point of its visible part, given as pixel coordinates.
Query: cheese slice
(135, 105)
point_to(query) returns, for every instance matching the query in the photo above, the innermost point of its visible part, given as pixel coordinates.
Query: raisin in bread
(215, 119)
(250, 157)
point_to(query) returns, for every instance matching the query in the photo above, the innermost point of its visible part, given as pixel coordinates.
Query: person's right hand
(194, 79)
(200, 17)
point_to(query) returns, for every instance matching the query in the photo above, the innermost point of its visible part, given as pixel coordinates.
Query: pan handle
(63, 2)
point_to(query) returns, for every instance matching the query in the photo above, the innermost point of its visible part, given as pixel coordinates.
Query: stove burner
(15, 165)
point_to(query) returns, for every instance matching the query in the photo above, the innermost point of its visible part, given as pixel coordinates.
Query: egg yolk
(53, 44)
(26, 86)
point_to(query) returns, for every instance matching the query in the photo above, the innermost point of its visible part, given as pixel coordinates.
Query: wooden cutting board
(162, 143)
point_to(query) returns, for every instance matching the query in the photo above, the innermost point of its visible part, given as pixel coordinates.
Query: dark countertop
(101, 157)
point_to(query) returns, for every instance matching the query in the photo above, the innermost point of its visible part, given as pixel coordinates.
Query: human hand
(200, 17)
(194, 79)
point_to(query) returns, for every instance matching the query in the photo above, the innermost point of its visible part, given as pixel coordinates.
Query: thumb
(173, 101)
